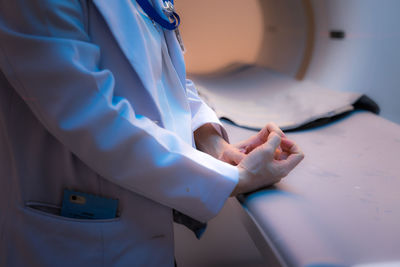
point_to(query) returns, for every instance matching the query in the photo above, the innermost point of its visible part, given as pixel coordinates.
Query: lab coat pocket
(54, 240)
(54, 211)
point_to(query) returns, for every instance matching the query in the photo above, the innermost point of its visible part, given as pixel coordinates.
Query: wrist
(239, 188)
(209, 141)
(221, 146)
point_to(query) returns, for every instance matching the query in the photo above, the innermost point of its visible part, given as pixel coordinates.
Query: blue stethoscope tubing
(153, 14)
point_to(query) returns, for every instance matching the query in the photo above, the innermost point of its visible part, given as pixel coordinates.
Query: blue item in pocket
(86, 206)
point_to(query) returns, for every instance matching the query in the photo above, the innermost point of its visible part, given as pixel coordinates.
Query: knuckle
(269, 127)
(274, 127)
(300, 156)
(268, 150)
(281, 172)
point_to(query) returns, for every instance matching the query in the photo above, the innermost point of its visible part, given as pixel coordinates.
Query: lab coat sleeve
(46, 54)
(201, 112)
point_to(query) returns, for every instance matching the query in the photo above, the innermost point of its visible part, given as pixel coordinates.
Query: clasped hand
(262, 160)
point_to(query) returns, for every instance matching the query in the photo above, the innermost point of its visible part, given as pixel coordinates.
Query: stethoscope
(168, 7)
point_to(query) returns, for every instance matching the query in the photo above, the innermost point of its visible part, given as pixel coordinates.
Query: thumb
(234, 156)
(273, 142)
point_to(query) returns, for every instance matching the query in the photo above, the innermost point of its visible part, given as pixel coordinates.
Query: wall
(284, 35)
(368, 59)
(217, 33)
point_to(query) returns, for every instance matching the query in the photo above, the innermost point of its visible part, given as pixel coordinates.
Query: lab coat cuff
(223, 188)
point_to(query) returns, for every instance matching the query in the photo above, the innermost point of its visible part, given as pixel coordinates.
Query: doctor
(93, 97)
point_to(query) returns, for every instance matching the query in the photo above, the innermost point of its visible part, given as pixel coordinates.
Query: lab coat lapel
(174, 48)
(122, 18)
(176, 55)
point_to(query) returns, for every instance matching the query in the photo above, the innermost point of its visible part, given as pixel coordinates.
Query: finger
(289, 146)
(277, 153)
(232, 155)
(287, 142)
(248, 145)
(283, 156)
(260, 138)
(273, 127)
(291, 162)
(272, 144)
(242, 149)
(235, 156)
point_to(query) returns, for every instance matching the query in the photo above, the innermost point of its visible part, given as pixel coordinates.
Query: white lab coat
(92, 99)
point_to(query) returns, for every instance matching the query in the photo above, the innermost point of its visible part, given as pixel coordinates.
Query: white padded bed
(340, 206)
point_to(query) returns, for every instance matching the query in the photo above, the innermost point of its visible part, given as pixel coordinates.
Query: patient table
(340, 206)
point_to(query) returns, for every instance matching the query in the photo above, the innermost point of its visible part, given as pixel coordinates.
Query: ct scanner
(340, 207)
